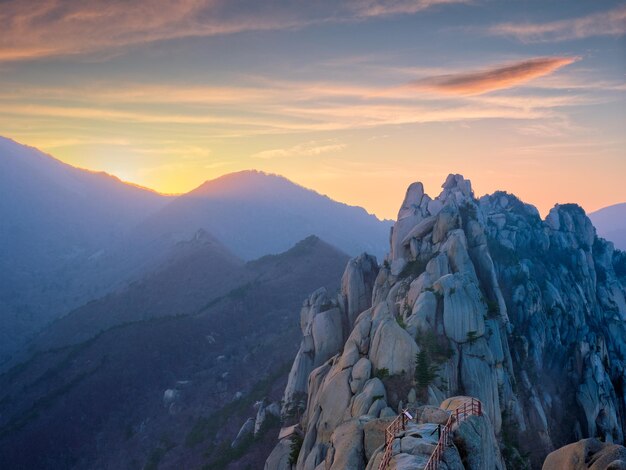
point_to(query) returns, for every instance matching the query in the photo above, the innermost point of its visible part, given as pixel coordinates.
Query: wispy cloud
(34, 30)
(307, 149)
(370, 8)
(607, 23)
(493, 78)
(301, 109)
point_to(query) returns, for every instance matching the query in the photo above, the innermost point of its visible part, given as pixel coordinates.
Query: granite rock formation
(477, 297)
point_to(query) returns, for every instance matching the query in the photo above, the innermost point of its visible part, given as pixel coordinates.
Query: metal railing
(397, 425)
(460, 414)
(471, 407)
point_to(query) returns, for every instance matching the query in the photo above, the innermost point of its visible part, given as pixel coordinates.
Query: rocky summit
(478, 299)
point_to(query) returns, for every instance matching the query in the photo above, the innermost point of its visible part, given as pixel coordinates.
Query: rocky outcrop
(279, 458)
(476, 443)
(475, 446)
(356, 286)
(246, 431)
(326, 323)
(587, 454)
(479, 298)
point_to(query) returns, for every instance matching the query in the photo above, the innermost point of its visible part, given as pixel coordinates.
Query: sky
(355, 99)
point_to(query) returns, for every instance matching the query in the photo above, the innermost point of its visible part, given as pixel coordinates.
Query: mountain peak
(456, 182)
(240, 182)
(417, 201)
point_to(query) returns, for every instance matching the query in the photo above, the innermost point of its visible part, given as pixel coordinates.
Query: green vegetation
(619, 263)
(157, 454)
(240, 292)
(206, 427)
(226, 454)
(493, 309)
(468, 212)
(472, 337)
(397, 387)
(510, 446)
(406, 310)
(295, 408)
(425, 371)
(381, 373)
(129, 432)
(502, 254)
(296, 445)
(436, 347)
(18, 422)
(401, 322)
(414, 268)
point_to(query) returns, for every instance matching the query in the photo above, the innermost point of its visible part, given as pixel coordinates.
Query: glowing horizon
(353, 99)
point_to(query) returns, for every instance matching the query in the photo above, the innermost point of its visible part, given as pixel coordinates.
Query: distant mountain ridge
(256, 213)
(70, 235)
(610, 222)
(112, 363)
(55, 219)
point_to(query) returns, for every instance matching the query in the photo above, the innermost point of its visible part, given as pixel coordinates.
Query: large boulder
(424, 314)
(361, 372)
(347, 447)
(334, 400)
(374, 390)
(432, 414)
(477, 444)
(587, 454)
(374, 434)
(298, 377)
(279, 458)
(393, 348)
(463, 309)
(327, 335)
(357, 285)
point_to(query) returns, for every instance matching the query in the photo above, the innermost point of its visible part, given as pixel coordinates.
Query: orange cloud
(495, 78)
(307, 149)
(606, 23)
(32, 30)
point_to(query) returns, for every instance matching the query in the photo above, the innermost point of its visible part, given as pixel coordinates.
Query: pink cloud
(494, 78)
(31, 30)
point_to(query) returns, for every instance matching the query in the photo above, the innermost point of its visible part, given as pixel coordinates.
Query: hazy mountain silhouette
(175, 329)
(55, 219)
(70, 235)
(610, 222)
(197, 272)
(254, 213)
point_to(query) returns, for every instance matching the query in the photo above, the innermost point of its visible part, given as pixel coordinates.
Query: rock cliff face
(479, 298)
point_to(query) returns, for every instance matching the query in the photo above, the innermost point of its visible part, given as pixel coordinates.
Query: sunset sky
(355, 99)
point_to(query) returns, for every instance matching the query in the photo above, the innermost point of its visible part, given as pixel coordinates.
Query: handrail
(460, 414)
(397, 425)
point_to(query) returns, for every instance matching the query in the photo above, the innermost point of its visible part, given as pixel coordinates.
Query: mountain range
(141, 330)
(144, 372)
(71, 235)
